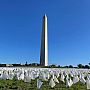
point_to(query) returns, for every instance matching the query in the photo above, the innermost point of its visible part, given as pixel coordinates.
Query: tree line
(50, 66)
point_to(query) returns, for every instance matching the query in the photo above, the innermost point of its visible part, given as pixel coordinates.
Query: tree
(58, 66)
(65, 66)
(86, 66)
(80, 66)
(53, 66)
(70, 66)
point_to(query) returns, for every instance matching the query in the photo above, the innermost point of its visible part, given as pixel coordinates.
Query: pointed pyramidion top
(45, 15)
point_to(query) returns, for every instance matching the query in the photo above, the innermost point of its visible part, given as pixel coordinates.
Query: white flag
(39, 83)
(52, 83)
(75, 79)
(55, 79)
(88, 83)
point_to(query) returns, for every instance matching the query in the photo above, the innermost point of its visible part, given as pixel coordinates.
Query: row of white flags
(53, 75)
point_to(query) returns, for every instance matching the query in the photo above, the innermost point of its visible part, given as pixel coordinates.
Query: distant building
(8, 65)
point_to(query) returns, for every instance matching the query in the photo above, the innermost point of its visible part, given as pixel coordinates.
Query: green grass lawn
(21, 85)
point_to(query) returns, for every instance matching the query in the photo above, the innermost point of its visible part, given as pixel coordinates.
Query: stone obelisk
(44, 43)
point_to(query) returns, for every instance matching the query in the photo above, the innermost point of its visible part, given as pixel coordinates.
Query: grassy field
(21, 85)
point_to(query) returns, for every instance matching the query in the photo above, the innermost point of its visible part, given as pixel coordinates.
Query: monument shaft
(44, 44)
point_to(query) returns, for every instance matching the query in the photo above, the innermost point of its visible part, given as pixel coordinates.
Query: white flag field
(51, 75)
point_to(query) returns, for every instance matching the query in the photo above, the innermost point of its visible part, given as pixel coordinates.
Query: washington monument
(44, 43)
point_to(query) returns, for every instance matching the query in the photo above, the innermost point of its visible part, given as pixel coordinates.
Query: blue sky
(68, 31)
